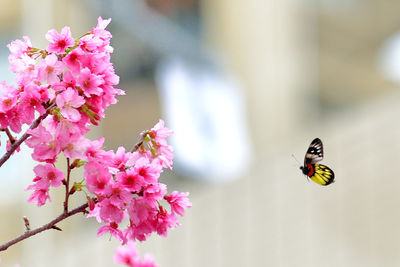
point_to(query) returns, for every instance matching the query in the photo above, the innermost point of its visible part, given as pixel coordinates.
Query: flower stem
(18, 142)
(67, 187)
(48, 226)
(10, 137)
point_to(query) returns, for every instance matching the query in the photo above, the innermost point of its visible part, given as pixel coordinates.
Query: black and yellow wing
(321, 174)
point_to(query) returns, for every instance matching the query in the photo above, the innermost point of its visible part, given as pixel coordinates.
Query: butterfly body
(319, 173)
(307, 170)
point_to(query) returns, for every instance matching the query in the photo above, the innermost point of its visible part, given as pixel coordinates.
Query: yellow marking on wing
(322, 175)
(319, 179)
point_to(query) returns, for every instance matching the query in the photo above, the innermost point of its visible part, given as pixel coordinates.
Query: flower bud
(90, 202)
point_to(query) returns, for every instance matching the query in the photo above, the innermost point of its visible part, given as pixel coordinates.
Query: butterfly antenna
(296, 159)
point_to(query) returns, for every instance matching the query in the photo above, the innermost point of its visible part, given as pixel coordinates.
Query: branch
(10, 137)
(18, 142)
(67, 186)
(48, 226)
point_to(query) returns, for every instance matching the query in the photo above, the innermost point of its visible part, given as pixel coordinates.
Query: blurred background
(244, 85)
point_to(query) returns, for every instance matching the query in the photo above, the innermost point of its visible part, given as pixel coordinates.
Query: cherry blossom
(59, 41)
(129, 256)
(178, 201)
(68, 102)
(60, 93)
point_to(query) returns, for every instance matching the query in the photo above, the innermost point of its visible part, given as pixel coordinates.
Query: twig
(10, 137)
(48, 226)
(67, 186)
(27, 224)
(18, 142)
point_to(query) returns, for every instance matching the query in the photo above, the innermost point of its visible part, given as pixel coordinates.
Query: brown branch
(10, 137)
(67, 186)
(48, 226)
(18, 142)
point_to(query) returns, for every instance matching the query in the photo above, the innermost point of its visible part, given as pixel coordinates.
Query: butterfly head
(304, 169)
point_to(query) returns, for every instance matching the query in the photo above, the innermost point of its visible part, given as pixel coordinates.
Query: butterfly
(319, 173)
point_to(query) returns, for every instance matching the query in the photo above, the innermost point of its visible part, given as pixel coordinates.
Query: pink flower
(7, 103)
(67, 132)
(31, 101)
(114, 231)
(94, 211)
(94, 151)
(126, 254)
(110, 212)
(97, 177)
(164, 155)
(25, 67)
(72, 60)
(121, 159)
(141, 210)
(68, 81)
(118, 196)
(52, 175)
(7, 90)
(19, 47)
(139, 231)
(148, 261)
(99, 39)
(41, 187)
(46, 152)
(160, 133)
(89, 83)
(155, 191)
(75, 148)
(179, 202)
(19, 50)
(129, 256)
(110, 77)
(50, 67)
(38, 136)
(101, 24)
(39, 196)
(90, 43)
(45, 147)
(130, 180)
(59, 41)
(68, 102)
(148, 173)
(163, 221)
(14, 119)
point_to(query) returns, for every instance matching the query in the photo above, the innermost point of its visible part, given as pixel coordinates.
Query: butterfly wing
(315, 152)
(322, 174)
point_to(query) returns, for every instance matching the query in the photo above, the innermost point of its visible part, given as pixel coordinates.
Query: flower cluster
(129, 256)
(70, 83)
(47, 176)
(67, 87)
(126, 186)
(73, 79)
